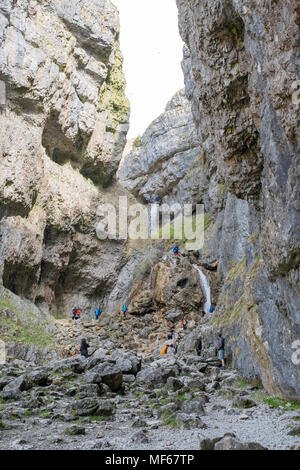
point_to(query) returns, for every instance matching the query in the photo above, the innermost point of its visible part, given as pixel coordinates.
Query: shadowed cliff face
(62, 135)
(240, 62)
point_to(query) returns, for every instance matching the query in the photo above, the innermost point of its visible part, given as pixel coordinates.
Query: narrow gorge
(230, 141)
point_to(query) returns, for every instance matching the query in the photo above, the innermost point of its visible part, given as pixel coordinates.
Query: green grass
(95, 419)
(276, 402)
(45, 414)
(13, 417)
(164, 401)
(181, 396)
(260, 396)
(169, 420)
(26, 332)
(28, 413)
(137, 142)
(174, 233)
(2, 400)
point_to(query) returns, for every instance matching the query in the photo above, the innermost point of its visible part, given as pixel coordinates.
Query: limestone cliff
(63, 131)
(166, 163)
(240, 62)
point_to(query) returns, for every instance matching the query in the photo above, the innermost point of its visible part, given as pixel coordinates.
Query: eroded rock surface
(240, 63)
(63, 130)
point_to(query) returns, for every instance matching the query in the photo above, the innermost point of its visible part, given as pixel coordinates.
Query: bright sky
(152, 50)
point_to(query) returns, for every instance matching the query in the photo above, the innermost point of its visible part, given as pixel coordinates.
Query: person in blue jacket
(98, 313)
(176, 250)
(124, 310)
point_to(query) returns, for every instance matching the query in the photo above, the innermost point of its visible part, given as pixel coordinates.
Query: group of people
(76, 313)
(173, 338)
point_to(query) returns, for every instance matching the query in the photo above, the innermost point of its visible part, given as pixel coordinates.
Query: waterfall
(154, 219)
(206, 288)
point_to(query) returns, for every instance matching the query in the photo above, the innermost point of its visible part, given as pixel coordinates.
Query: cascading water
(206, 288)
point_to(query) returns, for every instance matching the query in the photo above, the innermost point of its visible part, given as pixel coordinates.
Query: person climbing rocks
(184, 323)
(221, 349)
(124, 310)
(176, 250)
(199, 346)
(98, 313)
(84, 348)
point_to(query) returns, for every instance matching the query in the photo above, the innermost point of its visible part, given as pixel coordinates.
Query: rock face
(63, 130)
(166, 165)
(240, 63)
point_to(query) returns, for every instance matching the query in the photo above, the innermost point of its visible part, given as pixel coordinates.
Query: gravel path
(267, 426)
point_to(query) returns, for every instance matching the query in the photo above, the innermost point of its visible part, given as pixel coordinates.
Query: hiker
(124, 310)
(84, 348)
(211, 309)
(184, 323)
(199, 346)
(176, 250)
(164, 350)
(74, 313)
(221, 349)
(176, 344)
(78, 313)
(203, 313)
(171, 334)
(98, 313)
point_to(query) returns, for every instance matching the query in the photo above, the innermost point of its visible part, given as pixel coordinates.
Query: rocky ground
(117, 400)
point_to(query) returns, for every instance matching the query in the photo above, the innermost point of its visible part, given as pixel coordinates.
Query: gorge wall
(240, 62)
(63, 131)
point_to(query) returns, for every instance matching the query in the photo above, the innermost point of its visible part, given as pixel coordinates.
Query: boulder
(185, 421)
(92, 407)
(13, 391)
(40, 377)
(76, 364)
(193, 406)
(108, 373)
(230, 443)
